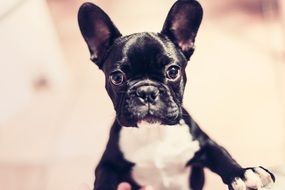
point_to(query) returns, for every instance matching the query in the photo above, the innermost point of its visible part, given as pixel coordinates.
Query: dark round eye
(117, 78)
(173, 72)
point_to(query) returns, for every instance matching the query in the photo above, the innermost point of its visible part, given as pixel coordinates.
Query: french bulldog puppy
(154, 141)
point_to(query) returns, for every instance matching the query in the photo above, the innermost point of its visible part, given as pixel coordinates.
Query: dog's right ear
(98, 31)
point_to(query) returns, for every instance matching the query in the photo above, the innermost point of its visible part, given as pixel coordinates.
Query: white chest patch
(160, 153)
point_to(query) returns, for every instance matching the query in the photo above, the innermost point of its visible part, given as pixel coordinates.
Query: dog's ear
(182, 24)
(98, 31)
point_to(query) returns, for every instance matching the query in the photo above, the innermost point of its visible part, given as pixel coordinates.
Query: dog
(154, 141)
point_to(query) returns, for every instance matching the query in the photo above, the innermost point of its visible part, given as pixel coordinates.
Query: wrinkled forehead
(144, 52)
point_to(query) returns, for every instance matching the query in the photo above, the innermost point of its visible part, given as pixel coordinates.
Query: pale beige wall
(30, 51)
(235, 91)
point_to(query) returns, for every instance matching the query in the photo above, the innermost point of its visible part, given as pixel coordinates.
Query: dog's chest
(160, 154)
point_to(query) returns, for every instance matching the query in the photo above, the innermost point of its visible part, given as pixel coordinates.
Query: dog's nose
(147, 94)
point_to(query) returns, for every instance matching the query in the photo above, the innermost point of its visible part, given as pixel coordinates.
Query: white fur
(160, 153)
(265, 177)
(256, 179)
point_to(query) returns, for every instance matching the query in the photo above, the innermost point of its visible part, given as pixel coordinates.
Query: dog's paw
(253, 178)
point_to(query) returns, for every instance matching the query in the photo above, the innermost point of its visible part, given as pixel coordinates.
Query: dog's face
(145, 79)
(145, 72)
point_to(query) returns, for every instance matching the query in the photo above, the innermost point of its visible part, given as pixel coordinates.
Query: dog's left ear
(182, 24)
(98, 31)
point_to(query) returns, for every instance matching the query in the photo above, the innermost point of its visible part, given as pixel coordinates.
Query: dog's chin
(149, 122)
(148, 119)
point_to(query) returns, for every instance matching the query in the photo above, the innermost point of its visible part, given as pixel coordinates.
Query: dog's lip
(149, 120)
(144, 124)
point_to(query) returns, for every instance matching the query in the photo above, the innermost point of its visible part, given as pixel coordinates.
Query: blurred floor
(235, 91)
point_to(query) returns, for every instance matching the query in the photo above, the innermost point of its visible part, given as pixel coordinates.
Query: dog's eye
(173, 72)
(117, 78)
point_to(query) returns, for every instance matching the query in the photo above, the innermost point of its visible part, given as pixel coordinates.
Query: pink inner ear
(100, 40)
(186, 45)
(184, 40)
(102, 33)
(179, 20)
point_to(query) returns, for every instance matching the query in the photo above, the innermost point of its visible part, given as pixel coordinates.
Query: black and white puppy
(154, 141)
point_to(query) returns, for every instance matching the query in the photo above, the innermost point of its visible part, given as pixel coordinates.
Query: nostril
(154, 95)
(161, 90)
(147, 94)
(141, 94)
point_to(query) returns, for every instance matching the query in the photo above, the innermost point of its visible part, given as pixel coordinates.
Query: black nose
(147, 94)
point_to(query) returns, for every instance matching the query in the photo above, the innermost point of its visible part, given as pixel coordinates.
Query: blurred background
(55, 114)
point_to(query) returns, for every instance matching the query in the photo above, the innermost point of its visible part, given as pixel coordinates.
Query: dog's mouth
(134, 113)
(143, 116)
(149, 121)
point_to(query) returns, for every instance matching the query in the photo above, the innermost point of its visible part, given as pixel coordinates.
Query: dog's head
(144, 72)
